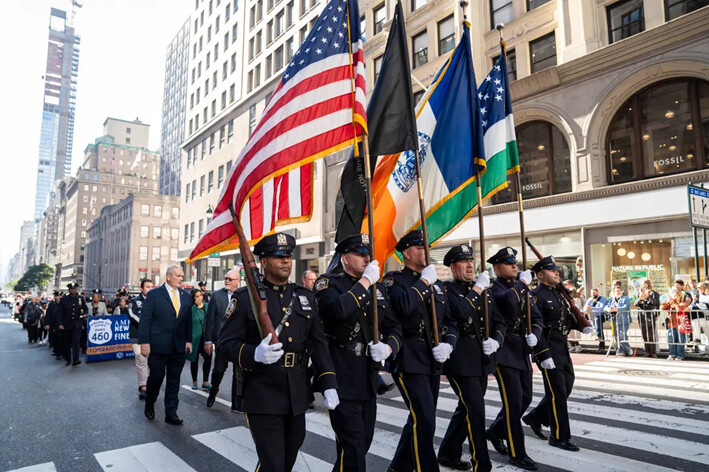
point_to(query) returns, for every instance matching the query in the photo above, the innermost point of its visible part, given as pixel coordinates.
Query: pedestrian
(276, 393)
(96, 306)
(215, 320)
(557, 371)
(676, 305)
(345, 304)
(165, 335)
(417, 367)
(471, 361)
(199, 311)
(32, 314)
(141, 361)
(648, 302)
(574, 336)
(72, 314)
(595, 308)
(700, 313)
(618, 308)
(121, 308)
(206, 296)
(513, 368)
(51, 319)
(43, 326)
(308, 278)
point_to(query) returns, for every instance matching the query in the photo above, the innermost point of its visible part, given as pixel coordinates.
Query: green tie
(175, 302)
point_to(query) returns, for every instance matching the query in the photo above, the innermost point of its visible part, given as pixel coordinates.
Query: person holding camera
(618, 306)
(648, 302)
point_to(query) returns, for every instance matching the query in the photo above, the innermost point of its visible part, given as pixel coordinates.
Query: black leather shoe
(212, 397)
(536, 427)
(174, 419)
(76, 363)
(496, 442)
(564, 444)
(67, 363)
(149, 410)
(456, 464)
(384, 388)
(141, 395)
(525, 463)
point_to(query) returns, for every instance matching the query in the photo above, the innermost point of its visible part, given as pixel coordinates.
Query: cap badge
(465, 248)
(365, 238)
(281, 238)
(510, 252)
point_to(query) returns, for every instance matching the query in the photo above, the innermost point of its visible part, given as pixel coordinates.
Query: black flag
(391, 120)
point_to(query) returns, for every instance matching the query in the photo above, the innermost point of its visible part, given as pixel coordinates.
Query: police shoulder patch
(322, 284)
(388, 281)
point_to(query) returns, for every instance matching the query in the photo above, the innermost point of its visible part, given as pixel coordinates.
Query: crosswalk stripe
(237, 445)
(652, 381)
(642, 389)
(205, 395)
(150, 457)
(667, 366)
(46, 467)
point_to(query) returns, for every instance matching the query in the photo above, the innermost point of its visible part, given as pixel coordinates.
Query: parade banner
(108, 338)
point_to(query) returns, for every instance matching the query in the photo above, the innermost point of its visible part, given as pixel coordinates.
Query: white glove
(483, 280)
(548, 364)
(331, 398)
(429, 273)
(379, 351)
(442, 352)
(371, 272)
(526, 277)
(588, 330)
(266, 354)
(490, 346)
(531, 340)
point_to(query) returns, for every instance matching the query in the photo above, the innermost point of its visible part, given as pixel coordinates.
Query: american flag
(317, 108)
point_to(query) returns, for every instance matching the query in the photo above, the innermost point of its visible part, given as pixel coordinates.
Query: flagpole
(518, 187)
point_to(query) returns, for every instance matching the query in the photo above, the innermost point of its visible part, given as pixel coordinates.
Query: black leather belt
(358, 348)
(291, 359)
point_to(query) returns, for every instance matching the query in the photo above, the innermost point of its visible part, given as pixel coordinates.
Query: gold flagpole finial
(464, 6)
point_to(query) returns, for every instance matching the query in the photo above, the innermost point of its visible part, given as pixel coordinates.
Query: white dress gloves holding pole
(379, 351)
(268, 354)
(548, 364)
(483, 280)
(490, 346)
(331, 398)
(531, 340)
(371, 272)
(429, 273)
(442, 352)
(526, 277)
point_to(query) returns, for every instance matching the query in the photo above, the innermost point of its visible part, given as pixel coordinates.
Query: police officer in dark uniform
(202, 284)
(552, 410)
(71, 317)
(513, 369)
(345, 306)
(417, 367)
(276, 393)
(51, 319)
(469, 365)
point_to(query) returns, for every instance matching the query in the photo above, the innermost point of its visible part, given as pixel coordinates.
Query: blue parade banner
(108, 338)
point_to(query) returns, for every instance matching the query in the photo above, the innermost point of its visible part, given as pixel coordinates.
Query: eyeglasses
(229, 279)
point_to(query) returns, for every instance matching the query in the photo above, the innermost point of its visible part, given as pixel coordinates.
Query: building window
(380, 17)
(420, 49)
(145, 210)
(194, 189)
(187, 192)
(211, 144)
(625, 18)
(173, 254)
(157, 232)
(511, 64)
(143, 253)
(278, 59)
(677, 8)
(221, 137)
(252, 119)
(174, 233)
(416, 4)
(362, 27)
(661, 130)
(501, 11)
(157, 211)
(230, 131)
(175, 213)
(192, 231)
(543, 52)
(532, 4)
(156, 253)
(446, 35)
(220, 176)
(201, 186)
(377, 66)
(545, 162)
(144, 231)
(210, 181)
(187, 233)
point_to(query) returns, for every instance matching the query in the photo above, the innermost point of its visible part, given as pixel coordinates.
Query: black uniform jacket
(50, 318)
(137, 304)
(275, 389)
(511, 296)
(467, 308)
(346, 311)
(558, 320)
(71, 310)
(410, 299)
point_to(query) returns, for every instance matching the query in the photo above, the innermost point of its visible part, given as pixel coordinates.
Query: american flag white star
(484, 123)
(337, 45)
(486, 96)
(480, 96)
(319, 51)
(329, 30)
(498, 97)
(497, 67)
(483, 111)
(497, 81)
(324, 40)
(488, 79)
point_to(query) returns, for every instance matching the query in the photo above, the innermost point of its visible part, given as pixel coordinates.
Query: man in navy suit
(165, 335)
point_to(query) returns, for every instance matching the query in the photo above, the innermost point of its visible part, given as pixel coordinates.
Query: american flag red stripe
(317, 108)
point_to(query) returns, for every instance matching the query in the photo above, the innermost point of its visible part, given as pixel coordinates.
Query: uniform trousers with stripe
(353, 423)
(552, 410)
(278, 439)
(516, 391)
(415, 450)
(468, 421)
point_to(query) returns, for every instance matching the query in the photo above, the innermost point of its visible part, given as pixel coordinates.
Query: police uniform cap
(275, 245)
(547, 263)
(462, 252)
(506, 255)
(201, 283)
(358, 243)
(413, 238)
(57, 293)
(97, 291)
(72, 285)
(121, 293)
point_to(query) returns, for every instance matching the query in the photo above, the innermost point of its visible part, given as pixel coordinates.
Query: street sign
(213, 262)
(214, 254)
(699, 206)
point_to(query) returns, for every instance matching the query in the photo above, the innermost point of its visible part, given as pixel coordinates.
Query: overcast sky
(121, 73)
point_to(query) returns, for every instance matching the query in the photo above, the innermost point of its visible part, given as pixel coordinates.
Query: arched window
(661, 130)
(544, 162)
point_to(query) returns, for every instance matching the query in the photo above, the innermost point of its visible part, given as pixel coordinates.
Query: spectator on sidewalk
(199, 312)
(618, 306)
(676, 305)
(594, 307)
(700, 313)
(308, 278)
(574, 336)
(141, 362)
(32, 313)
(648, 302)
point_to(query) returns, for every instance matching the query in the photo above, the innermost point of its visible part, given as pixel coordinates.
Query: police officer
(51, 319)
(417, 367)
(552, 410)
(345, 306)
(202, 284)
(71, 316)
(276, 393)
(513, 369)
(469, 365)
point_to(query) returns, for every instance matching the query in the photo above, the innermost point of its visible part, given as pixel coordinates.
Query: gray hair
(171, 269)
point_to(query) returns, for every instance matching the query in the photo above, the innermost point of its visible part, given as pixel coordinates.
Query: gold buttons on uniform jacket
(287, 323)
(281, 295)
(290, 340)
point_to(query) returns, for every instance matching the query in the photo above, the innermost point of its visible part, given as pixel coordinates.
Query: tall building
(57, 132)
(173, 111)
(27, 238)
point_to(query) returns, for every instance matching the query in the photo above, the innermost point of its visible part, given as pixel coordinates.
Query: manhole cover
(656, 373)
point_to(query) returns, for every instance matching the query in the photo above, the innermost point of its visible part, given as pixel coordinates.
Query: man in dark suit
(213, 324)
(165, 335)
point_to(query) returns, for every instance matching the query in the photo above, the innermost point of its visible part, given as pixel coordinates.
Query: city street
(627, 414)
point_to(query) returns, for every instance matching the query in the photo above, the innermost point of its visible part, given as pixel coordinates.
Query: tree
(36, 277)
(10, 286)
